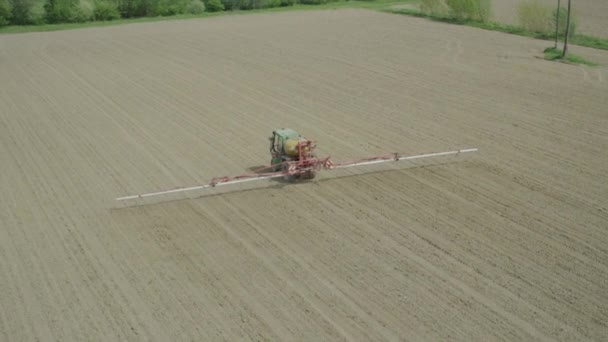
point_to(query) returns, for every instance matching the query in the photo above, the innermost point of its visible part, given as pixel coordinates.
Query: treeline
(36, 12)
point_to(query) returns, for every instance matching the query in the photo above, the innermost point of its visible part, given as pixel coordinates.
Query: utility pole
(567, 31)
(557, 22)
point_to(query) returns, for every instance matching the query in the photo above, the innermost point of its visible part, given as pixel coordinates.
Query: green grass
(374, 5)
(590, 41)
(553, 54)
(70, 26)
(379, 5)
(582, 40)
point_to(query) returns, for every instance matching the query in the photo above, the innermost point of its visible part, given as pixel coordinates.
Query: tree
(557, 21)
(6, 10)
(437, 8)
(478, 10)
(61, 11)
(135, 8)
(567, 30)
(214, 6)
(105, 10)
(195, 7)
(534, 16)
(22, 11)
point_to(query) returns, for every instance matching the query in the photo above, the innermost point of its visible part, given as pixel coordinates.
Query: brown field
(510, 244)
(592, 15)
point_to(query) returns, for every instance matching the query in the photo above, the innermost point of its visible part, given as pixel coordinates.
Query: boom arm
(325, 163)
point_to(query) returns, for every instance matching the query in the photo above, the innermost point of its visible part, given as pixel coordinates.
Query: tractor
(293, 155)
(293, 158)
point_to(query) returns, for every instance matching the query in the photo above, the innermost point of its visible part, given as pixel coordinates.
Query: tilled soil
(509, 244)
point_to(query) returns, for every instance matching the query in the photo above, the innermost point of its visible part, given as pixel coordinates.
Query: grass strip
(553, 54)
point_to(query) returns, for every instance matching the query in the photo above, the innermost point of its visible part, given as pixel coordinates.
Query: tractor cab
(278, 143)
(293, 154)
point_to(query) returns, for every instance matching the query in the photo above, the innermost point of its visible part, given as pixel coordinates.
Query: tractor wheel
(286, 176)
(275, 167)
(310, 174)
(276, 164)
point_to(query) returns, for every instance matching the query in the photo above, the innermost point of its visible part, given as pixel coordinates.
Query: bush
(437, 8)
(170, 7)
(144, 8)
(37, 15)
(313, 2)
(61, 11)
(233, 5)
(269, 3)
(478, 10)
(126, 8)
(534, 16)
(105, 10)
(25, 12)
(214, 6)
(6, 10)
(195, 7)
(84, 11)
(563, 20)
(136, 8)
(255, 4)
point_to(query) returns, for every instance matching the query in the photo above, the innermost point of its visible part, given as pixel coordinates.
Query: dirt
(509, 244)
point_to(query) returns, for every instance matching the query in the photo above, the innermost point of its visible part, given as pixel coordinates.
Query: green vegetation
(26, 12)
(447, 17)
(6, 10)
(32, 16)
(590, 41)
(105, 10)
(63, 11)
(562, 17)
(436, 8)
(477, 10)
(214, 6)
(535, 16)
(41, 12)
(195, 7)
(553, 54)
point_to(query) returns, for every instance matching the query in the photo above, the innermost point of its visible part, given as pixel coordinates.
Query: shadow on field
(276, 184)
(258, 168)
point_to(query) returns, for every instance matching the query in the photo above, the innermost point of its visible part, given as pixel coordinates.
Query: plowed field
(510, 244)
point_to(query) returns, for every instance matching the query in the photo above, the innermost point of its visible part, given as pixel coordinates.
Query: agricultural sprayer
(293, 158)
